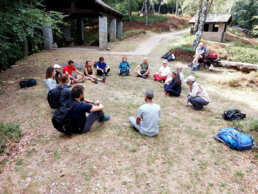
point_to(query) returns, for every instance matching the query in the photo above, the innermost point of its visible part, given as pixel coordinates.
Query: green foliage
(8, 133)
(131, 33)
(183, 47)
(20, 21)
(151, 19)
(243, 13)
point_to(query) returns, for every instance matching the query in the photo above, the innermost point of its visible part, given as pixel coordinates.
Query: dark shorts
(142, 72)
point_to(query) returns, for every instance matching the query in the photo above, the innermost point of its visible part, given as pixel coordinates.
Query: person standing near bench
(197, 96)
(148, 115)
(102, 67)
(124, 67)
(143, 70)
(80, 121)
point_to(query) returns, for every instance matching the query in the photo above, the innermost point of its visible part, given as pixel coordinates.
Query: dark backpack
(28, 83)
(233, 114)
(53, 97)
(61, 119)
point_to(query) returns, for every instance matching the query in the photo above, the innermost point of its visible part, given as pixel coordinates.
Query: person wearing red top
(68, 69)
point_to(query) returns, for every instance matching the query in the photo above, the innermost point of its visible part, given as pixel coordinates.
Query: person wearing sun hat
(58, 72)
(197, 96)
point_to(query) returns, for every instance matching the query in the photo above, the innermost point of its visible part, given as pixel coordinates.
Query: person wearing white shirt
(197, 96)
(163, 72)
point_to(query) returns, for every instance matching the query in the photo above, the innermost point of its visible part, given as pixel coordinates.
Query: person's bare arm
(148, 71)
(70, 76)
(97, 108)
(138, 120)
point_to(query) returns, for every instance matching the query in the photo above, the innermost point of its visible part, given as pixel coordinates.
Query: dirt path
(145, 48)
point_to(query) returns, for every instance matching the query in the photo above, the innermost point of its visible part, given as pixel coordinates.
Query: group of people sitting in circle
(148, 114)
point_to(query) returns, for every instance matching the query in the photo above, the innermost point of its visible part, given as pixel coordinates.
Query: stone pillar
(67, 33)
(80, 31)
(119, 28)
(103, 32)
(48, 38)
(112, 30)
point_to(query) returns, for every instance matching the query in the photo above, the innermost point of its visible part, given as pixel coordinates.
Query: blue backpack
(233, 138)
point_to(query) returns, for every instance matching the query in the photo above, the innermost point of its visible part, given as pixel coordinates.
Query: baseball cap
(56, 66)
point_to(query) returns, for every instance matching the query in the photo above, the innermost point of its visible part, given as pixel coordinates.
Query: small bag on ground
(234, 138)
(28, 83)
(233, 114)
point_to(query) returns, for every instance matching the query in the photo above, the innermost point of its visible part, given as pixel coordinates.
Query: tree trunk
(229, 11)
(182, 9)
(198, 13)
(208, 8)
(25, 47)
(244, 67)
(129, 10)
(145, 13)
(201, 25)
(177, 8)
(159, 5)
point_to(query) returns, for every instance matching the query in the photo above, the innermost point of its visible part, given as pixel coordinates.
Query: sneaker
(106, 118)
(104, 79)
(139, 76)
(144, 77)
(96, 81)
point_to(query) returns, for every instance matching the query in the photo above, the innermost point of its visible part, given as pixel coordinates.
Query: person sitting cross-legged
(80, 121)
(102, 67)
(124, 67)
(178, 70)
(173, 88)
(143, 70)
(90, 74)
(68, 69)
(163, 72)
(65, 93)
(148, 115)
(197, 96)
(58, 72)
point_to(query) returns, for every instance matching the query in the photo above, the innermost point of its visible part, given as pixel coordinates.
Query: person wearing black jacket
(174, 88)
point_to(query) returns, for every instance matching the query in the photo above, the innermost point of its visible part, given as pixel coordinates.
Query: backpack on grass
(61, 119)
(233, 114)
(53, 97)
(28, 83)
(234, 138)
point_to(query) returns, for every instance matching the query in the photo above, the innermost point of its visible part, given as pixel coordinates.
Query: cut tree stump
(244, 67)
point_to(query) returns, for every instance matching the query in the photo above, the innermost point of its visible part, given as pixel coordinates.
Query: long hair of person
(88, 66)
(178, 80)
(49, 72)
(63, 79)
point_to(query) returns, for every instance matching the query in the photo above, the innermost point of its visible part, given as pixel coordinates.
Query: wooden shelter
(110, 20)
(215, 26)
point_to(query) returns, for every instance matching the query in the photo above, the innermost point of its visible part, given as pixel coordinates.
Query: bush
(151, 19)
(183, 53)
(249, 126)
(131, 33)
(8, 133)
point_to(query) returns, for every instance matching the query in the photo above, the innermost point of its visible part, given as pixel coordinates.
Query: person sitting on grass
(50, 81)
(80, 121)
(174, 88)
(124, 67)
(143, 70)
(68, 69)
(65, 93)
(199, 54)
(58, 72)
(163, 72)
(90, 74)
(178, 70)
(197, 96)
(102, 67)
(148, 115)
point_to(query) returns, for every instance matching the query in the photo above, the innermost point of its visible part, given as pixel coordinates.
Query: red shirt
(69, 69)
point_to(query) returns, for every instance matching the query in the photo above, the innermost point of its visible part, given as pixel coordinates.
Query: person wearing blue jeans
(197, 96)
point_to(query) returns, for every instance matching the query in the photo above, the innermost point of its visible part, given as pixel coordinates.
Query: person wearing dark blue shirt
(174, 88)
(102, 67)
(81, 122)
(124, 67)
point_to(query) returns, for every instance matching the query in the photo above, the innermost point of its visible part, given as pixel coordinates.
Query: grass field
(113, 158)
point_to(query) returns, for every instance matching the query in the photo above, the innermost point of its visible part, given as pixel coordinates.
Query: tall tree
(160, 1)
(145, 12)
(177, 5)
(198, 14)
(201, 25)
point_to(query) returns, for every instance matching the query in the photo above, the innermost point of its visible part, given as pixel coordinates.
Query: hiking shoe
(144, 77)
(105, 118)
(96, 80)
(139, 76)
(104, 79)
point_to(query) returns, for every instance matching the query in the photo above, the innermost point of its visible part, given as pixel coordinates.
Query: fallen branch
(244, 67)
